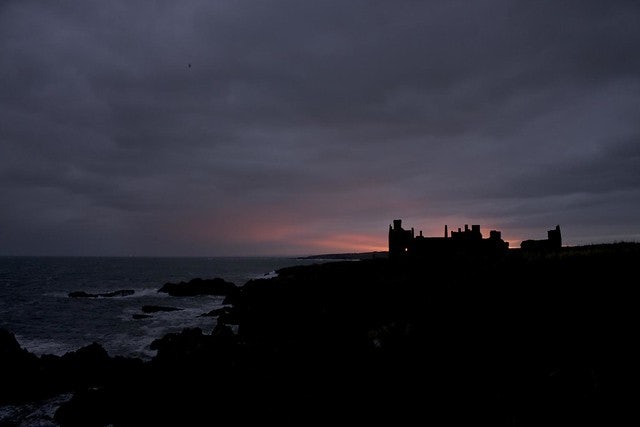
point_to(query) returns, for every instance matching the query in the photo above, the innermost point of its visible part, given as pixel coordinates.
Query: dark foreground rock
(216, 312)
(522, 340)
(119, 293)
(27, 377)
(199, 286)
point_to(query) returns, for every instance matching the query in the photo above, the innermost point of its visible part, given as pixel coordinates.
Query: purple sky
(263, 127)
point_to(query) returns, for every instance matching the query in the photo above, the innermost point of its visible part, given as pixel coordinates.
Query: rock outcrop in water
(158, 308)
(199, 286)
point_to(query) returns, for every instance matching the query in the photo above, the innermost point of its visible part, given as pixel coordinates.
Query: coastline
(348, 255)
(35, 303)
(539, 338)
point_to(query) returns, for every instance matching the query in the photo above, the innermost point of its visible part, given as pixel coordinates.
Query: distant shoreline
(350, 255)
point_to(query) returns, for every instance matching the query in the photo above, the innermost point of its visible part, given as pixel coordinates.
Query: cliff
(524, 339)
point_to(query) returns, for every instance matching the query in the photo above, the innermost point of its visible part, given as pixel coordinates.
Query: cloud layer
(286, 127)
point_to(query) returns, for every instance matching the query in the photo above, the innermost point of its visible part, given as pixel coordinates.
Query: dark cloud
(609, 168)
(226, 127)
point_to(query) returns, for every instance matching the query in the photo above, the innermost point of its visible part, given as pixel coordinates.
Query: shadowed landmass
(455, 338)
(350, 255)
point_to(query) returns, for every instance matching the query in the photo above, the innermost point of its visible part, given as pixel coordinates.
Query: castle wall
(404, 243)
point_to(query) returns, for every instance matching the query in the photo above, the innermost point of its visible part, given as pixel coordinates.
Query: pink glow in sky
(261, 128)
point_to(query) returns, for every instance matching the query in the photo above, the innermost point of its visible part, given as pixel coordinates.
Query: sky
(259, 127)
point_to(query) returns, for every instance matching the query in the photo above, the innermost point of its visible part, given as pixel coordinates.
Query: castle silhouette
(404, 243)
(554, 241)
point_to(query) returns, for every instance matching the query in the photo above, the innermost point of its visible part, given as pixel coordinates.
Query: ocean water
(35, 306)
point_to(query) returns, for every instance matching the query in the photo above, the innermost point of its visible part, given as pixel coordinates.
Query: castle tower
(555, 238)
(399, 239)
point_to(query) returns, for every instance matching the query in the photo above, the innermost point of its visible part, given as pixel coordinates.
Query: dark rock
(87, 365)
(229, 317)
(86, 408)
(119, 293)
(141, 316)
(10, 349)
(223, 334)
(157, 308)
(215, 312)
(233, 296)
(93, 353)
(179, 348)
(199, 286)
(82, 294)
(18, 368)
(27, 378)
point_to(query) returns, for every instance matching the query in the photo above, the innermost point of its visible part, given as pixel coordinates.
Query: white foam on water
(39, 346)
(270, 275)
(142, 332)
(149, 292)
(33, 414)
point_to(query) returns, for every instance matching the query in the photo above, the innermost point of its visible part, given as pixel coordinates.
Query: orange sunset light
(351, 243)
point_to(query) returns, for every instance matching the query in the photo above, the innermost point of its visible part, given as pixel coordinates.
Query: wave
(270, 275)
(40, 346)
(33, 414)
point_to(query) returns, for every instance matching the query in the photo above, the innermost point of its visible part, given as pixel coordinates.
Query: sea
(35, 303)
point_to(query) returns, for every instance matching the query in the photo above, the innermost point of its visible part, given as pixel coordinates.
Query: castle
(405, 243)
(554, 241)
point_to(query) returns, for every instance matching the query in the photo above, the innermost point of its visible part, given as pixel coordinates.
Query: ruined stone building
(554, 241)
(404, 243)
